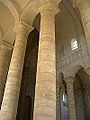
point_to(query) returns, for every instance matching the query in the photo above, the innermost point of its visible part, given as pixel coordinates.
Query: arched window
(64, 99)
(74, 44)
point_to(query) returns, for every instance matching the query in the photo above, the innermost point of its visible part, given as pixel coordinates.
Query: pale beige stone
(5, 56)
(68, 27)
(71, 100)
(12, 88)
(45, 94)
(84, 9)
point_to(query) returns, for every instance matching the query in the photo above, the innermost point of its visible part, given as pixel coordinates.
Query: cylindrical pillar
(71, 100)
(58, 104)
(45, 92)
(5, 56)
(84, 8)
(58, 96)
(12, 89)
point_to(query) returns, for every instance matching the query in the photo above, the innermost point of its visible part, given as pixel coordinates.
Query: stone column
(71, 100)
(12, 89)
(84, 8)
(5, 56)
(58, 96)
(45, 92)
(58, 103)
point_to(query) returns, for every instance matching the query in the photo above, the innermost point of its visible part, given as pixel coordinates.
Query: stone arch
(12, 9)
(76, 69)
(81, 92)
(71, 71)
(73, 13)
(30, 13)
(36, 22)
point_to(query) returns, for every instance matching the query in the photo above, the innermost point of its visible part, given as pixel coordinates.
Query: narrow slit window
(63, 98)
(74, 44)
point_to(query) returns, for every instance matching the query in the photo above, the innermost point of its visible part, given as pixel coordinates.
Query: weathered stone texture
(12, 89)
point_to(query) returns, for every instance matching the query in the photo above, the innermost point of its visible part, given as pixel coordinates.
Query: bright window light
(74, 44)
(63, 98)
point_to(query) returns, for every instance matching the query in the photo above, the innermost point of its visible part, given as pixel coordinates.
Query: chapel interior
(44, 59)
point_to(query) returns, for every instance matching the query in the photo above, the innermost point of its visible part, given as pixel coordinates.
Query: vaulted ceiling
(11, 11)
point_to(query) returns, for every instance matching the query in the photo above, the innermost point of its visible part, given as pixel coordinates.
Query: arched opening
(82, 95)
(27, 91)
(63, 101)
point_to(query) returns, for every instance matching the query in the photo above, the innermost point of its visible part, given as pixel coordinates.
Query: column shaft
(71, 100)
(58, 96)
(12, 89)
(5, 56)
(45, 92)
(58, 104)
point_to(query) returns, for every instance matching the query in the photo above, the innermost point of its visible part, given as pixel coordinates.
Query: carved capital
(69, 79)
(21, 26)
(50, 6)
